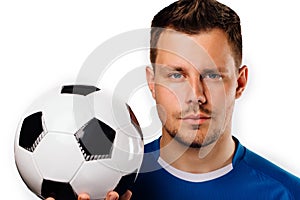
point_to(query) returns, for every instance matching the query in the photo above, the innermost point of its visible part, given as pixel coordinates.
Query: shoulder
(268, 171)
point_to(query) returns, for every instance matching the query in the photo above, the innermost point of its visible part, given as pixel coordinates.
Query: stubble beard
(195, 135)
(193, 139)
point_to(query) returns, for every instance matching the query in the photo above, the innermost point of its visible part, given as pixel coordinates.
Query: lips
(195, 119)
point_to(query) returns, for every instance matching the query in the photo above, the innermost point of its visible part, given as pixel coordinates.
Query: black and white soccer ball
(76, 139)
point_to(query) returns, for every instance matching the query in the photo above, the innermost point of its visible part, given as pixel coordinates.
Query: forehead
(206, 49)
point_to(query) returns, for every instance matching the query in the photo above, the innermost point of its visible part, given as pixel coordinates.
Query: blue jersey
(248, 177)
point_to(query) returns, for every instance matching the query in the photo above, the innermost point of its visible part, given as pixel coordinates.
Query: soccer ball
(76, 139)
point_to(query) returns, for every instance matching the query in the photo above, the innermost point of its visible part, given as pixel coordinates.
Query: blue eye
(212, 76)
(175, 75)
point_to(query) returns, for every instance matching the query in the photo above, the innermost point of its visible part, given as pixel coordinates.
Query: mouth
(195, 119)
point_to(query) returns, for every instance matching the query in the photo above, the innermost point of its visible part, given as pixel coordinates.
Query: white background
(44, 43)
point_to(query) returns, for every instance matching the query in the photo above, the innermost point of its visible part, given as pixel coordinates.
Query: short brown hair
(196, 16)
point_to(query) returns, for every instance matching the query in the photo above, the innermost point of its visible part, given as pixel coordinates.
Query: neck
(197, 160)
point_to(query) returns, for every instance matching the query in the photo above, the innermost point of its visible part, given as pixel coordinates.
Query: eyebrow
(172, 68)
(214, 70)
(205, 70)
(179, 69)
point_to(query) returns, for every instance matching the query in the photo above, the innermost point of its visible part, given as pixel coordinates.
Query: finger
(112, 195)
(126, 196)
(84, 196)
(50, 198)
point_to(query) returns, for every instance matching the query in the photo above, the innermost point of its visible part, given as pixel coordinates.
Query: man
(195, 79)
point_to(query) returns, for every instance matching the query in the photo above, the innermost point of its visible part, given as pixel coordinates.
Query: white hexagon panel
(95, 178)
(28, 170)
(58, 156)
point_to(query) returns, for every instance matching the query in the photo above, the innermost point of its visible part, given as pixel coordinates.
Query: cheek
(167, 101)
(220, 97)
(215, 94)
(174, 93)
(230, 94)
(171, 94)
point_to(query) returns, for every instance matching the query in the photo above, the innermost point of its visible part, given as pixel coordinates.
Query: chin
(197, 142)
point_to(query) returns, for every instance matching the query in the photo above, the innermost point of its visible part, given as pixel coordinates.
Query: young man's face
(195, 84)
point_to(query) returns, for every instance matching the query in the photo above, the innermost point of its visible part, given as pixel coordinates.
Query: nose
(196, 92)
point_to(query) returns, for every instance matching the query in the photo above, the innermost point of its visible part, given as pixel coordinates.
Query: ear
(241, 81)
(150, 80)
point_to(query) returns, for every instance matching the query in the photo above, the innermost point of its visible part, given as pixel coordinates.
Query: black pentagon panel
(31, 131)
(83, 90)
(57, 190)
(134, 121)
(96, 140)
(126, 183)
